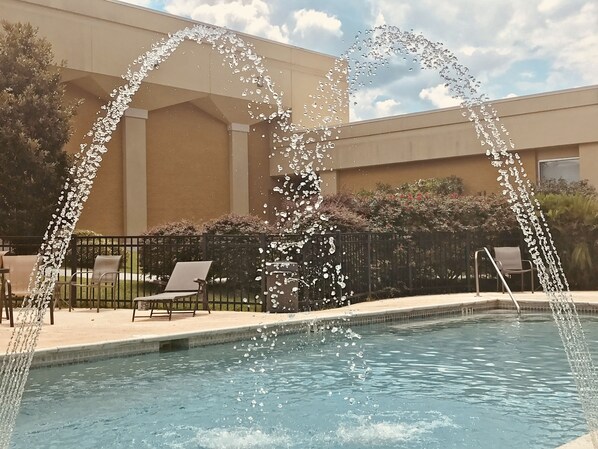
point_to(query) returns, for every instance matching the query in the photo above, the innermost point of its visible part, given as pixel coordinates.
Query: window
(567, 169)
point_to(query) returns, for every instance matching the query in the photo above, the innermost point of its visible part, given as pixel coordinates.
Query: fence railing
(333, 268)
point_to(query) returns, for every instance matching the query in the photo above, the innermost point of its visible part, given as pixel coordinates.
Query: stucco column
(329, 184)
(135, 173)
(588, 162)
(239, 168)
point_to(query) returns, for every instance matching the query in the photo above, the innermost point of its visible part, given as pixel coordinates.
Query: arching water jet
(374, 51)
(243, 60)
(379, 44)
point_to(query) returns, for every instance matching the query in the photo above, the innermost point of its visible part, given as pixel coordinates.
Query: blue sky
(514, 47)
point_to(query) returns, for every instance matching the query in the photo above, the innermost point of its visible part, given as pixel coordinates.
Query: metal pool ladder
(498, 273)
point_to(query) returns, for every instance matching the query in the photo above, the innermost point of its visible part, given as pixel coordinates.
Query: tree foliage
(34, 126)
(573, 220)
(563, 187)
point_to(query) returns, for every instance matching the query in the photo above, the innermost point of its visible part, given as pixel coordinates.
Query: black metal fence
(333, 268)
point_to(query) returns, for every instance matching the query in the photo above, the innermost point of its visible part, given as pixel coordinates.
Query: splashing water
(375, 50)
(305, 154)
(243, 60)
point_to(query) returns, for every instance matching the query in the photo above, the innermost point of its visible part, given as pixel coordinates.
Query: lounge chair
(188, 280)
(508, 259)
(20, 271)
(104, 276)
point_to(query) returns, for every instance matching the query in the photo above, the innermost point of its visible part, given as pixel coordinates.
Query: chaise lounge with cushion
(187, 281)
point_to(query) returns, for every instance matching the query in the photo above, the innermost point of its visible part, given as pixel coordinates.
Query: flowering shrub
(331, 217)
(571, 210)
(562, 187)
(242, 267)
(438, 186)
(409, 213)
(237, 224)
(168, 243)
(91, 245)
(573, 220)
(182, 227)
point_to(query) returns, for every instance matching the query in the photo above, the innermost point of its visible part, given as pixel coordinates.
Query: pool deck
(83, 334)
(83, 327)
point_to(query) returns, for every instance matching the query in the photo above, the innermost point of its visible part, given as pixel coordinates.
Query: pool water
(490, 381)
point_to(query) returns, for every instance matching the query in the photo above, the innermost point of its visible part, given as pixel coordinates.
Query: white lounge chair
(188, 280)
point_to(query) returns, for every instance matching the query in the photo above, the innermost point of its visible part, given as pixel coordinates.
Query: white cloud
(549, 5)
(311, 21)
(388, 12)
(248, 16)
(555, 37)
(372, 103)
(439, 96)
(570, 41)
(503, 43)
(145, 3)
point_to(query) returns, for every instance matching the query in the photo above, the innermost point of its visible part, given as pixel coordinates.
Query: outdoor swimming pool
(491, 381)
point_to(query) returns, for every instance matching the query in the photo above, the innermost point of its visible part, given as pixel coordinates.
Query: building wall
(192, 102)
(442, 143)
(187, 169)
(102, 38)
(588, 155)
(260, 182)
(103, 211)
(478, 176)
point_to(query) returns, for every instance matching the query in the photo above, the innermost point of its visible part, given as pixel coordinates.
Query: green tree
(34, 126)
(573, 220)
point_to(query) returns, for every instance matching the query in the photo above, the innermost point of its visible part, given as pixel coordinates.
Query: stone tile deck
(85, 327)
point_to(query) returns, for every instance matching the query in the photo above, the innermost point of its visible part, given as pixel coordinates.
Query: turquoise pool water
(484, 382)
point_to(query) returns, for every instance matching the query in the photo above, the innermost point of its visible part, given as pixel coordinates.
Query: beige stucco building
(187, 147)
(554, 133)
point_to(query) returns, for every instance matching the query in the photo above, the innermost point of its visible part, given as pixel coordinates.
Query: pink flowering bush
(236, 224)
(167, 244)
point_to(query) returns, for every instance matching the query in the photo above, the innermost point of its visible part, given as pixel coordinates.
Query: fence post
(205, 256)
(264, 247)
(339, 261)
(204, 246)
(74, 258)
(409, 267)
(468, 261)
(394, 265)
(369, 264)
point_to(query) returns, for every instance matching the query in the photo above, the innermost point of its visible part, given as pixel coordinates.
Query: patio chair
(16, 284)
(188, 280)
(509, 261)
(104, 276)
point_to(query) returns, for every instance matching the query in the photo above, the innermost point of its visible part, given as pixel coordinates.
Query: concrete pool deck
(83, 334)
(83, 327)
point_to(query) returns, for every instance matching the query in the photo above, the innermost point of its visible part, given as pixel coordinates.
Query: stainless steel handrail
(499, 274)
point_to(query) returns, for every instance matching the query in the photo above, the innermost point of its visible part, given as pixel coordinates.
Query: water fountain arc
(378, 45)
(242, 58)
(373, 51)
